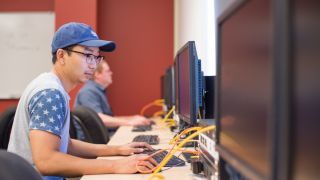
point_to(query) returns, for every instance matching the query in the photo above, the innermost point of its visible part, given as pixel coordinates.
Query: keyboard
(173, 162)
(142, 128)
(187, 156)
(150, 139)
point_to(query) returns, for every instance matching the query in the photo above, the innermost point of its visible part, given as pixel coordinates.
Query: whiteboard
(25, 49)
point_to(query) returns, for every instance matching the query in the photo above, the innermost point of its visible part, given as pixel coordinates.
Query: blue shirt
(93, 95)
(47, 111)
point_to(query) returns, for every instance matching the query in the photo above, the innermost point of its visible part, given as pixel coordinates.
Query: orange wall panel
(5, 103)
(84, 11)
(29, 5)
(143, 32)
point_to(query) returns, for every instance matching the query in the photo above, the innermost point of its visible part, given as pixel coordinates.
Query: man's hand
(137, 120)
(134, 147)
(131, 164)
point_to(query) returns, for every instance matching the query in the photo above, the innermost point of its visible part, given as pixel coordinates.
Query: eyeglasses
(90, 58)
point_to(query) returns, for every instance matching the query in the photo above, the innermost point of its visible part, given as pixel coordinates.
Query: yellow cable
(169, 113)
(184, 132)
(158, 113)
(171, 153)
(158, 102)
(171, 124)
(169, 121)
(199, 114)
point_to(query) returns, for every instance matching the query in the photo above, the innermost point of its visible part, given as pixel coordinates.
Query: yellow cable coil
(158, 102)
(155, 174)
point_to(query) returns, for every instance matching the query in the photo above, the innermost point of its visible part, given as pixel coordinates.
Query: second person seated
(93, 95)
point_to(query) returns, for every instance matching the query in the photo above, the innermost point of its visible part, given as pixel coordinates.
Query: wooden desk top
(125, 135)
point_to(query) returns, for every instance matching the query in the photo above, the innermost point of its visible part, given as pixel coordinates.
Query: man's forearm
(89, 150)
(60, 164)
(110, 121)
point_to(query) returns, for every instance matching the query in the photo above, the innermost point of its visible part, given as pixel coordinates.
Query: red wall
(143, 32)
(84, 11)
(5, 103)
(23, 5)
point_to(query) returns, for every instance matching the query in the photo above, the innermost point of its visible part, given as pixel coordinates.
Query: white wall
(194, 20)
(25, 50)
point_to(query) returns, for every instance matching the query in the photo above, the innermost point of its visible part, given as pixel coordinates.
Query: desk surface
(125, 135)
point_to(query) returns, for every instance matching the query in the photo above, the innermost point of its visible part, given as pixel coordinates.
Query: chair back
(79, 130)
(6, 121)
(14, 167)
(96, 129)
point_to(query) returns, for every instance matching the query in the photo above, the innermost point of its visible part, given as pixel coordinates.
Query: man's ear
(95, 74)
(60, 56)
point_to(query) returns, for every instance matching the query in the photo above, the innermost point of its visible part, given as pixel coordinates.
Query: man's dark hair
(54, 55)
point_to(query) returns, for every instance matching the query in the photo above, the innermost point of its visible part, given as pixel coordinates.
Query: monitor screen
(306, 90)
(184, 82)
(245, 86)
(168, 88)
(188, 75)
(162, 87)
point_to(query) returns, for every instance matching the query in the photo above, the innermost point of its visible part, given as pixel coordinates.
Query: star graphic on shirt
(54, 108)
(42, 124)
(35, 98)
(57, 96)
(44, 93)
(37, 117)
(49, 100)
(40, 104)
(45, 112)
(51, 120)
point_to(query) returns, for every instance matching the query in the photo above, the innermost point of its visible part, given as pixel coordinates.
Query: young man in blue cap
(40, 131)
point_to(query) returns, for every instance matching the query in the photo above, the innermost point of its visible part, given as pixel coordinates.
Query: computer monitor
(304, 119)
(188, 80)
(162, 86)
(169, 88)
(245, 87)
(268, 90)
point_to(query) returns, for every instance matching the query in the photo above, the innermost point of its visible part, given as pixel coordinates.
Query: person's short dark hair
(54, 55)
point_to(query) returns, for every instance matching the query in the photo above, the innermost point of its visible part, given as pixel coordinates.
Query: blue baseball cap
(79, 34)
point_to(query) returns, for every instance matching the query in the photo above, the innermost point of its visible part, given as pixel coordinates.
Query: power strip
(208, 145)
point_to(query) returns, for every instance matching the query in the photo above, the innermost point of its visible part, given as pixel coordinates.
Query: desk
(125, 135)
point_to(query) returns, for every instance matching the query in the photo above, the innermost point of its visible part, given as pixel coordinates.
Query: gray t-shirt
(44, 105)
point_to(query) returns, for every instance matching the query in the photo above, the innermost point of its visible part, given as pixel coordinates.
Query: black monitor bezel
(169, 87)
(194, 84)
(240, 165)
(281, 124)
